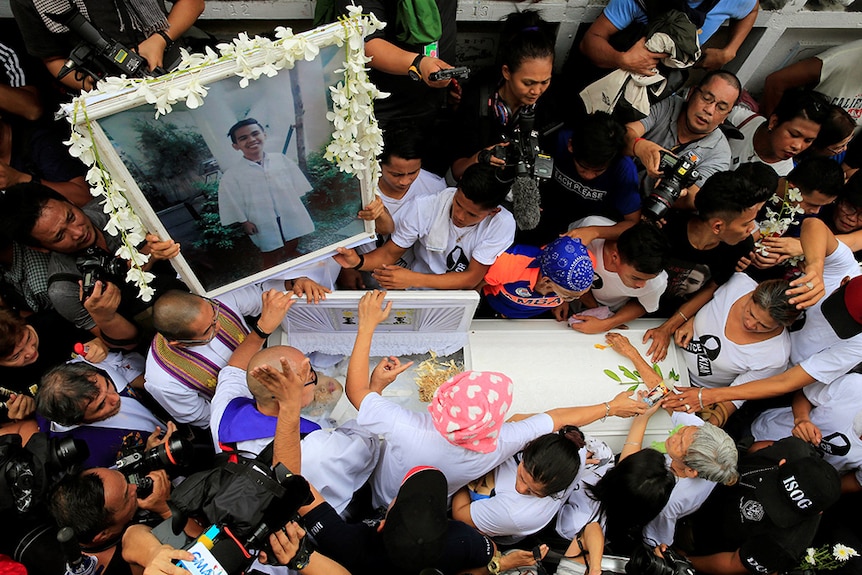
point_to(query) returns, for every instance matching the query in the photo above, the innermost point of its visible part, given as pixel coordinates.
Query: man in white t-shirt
(830, 418)
(456, 236)
(629, 275)
(401, 179)
(833, 73)
(788, 131)
(464, 433)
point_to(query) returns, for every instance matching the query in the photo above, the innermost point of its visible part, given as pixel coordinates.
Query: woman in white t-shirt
(524, 493)
(739, 336)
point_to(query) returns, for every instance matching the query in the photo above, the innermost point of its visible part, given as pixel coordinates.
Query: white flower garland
(356, 139)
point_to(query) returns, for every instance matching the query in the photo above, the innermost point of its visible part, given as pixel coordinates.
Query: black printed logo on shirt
(707, 349)
(835, 444)
(598, 283)
(456, 261)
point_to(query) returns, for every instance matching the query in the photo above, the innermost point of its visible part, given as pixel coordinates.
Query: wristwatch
(413, 70)
(494, 563)
(256, 329)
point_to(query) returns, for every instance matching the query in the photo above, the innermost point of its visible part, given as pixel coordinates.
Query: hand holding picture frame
(252, 177)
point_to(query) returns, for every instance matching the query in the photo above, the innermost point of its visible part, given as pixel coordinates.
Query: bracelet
(632, 443)
(635, 145)
(700, 398)
(413, 71)
(358, 267)
(682, 315)
(168, 41)
(256, 329)
(607, 411)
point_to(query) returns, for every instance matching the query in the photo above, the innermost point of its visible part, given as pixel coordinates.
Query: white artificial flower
(843, 553)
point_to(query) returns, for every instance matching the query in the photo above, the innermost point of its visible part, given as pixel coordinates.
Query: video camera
(98, 55)
(246, 502)
(523, 155)
(174, 453)
(525, 166)
(677, 173)
(28, 472)
(97, 265)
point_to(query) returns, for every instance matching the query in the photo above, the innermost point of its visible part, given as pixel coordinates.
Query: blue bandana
(567, 263)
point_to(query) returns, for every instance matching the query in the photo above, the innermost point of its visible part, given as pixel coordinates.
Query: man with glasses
(680, 125)
(245, 416)
(197, 336)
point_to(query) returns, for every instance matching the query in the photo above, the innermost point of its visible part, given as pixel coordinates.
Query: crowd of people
(662, 190)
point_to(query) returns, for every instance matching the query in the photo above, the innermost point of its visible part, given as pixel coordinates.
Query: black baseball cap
(798, 489)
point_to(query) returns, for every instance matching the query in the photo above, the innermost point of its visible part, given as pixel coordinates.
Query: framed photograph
(247, 179)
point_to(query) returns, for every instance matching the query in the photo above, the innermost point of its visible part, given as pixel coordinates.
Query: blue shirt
(622, 13)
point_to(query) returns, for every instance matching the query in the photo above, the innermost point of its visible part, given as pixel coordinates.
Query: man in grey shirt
(682, 125)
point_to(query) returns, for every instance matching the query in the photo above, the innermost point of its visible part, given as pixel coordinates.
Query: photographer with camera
(142, 26)
(686, 126)
(36, 215)
(100, 504)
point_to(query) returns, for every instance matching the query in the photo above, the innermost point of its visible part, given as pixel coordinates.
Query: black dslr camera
(645, 562)
(27, 473)
(677, 173)
(97, 265)
(174, 453)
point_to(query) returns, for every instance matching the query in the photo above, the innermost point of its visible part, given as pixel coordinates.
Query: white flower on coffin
(809, 556)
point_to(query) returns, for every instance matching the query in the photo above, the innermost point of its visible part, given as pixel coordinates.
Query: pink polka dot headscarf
(469, 409)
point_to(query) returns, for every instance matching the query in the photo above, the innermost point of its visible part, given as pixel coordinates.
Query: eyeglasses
(313, 380)
(850, 211)
(709, 98)
(212, 330)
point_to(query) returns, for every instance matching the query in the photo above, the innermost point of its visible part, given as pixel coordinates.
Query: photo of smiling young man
(263, 192)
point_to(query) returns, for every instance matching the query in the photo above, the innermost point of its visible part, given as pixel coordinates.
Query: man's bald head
(271, 356)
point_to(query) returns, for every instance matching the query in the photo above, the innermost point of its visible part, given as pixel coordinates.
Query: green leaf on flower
(657, 369)
(613, 376)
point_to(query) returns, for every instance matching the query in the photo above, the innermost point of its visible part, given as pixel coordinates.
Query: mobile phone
(461, 72)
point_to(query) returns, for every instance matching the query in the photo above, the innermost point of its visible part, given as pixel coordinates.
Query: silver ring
(809, 285)
(687, 407)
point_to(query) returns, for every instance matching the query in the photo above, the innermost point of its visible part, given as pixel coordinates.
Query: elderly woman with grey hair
(737, 337)
(699, 454)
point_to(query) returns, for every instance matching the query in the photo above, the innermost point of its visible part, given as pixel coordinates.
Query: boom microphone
(526, 202)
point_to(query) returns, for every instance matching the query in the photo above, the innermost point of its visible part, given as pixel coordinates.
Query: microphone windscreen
(526, 202)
